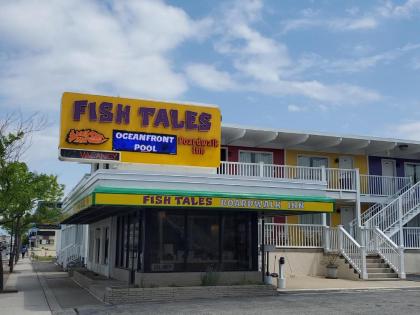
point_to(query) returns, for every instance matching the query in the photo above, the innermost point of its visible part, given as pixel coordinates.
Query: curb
(49, 295)
(332, 290)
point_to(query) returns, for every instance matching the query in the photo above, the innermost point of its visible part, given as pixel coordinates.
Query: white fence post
(323, 174)
(261, 169)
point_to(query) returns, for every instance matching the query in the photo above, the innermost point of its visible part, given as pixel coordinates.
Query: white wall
(96, 231)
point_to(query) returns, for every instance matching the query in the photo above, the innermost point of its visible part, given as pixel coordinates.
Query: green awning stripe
(115, 190)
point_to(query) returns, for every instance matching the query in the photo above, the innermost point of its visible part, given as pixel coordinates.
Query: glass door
(413, 170)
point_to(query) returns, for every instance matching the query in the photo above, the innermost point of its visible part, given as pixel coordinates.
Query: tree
(21, 189)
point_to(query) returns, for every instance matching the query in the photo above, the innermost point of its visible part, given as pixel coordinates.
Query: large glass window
(199, 241)
(413, 170)
(128, 243)
(203, 242)
(236, 234)
(255, 157)
(167, 241)
(312, 161)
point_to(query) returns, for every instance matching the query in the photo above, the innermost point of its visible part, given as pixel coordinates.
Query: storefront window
(203, 242)
(200, 241)
(167, 241)
(236, 242)
(128, 244)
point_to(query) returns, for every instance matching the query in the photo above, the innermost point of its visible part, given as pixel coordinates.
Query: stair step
(377, 265)
(382, 275)
(379, 270)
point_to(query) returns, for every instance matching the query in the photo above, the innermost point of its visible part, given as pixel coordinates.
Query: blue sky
(348, 67)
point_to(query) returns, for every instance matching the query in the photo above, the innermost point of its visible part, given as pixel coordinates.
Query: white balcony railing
(382, 185)
(293, 235)
(341, 179)
(313, 174)
(411, 237)
(336, 179)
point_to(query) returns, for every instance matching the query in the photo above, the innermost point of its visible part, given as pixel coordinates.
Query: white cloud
(295, 108)
(334, 24)
(255, 55)
(405, 10)
(363, 23)
(207, 76)
(409, 130)
(355, 19)
(309, 62)
(121, 48)
(334, 94)
(263, 65)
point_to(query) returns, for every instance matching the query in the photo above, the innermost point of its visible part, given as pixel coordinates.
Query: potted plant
(331, 262)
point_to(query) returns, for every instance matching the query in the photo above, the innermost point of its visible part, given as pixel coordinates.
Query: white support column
(358, 207)
(364, 267)
(401, 234)
(400, 223)
(340, 239)
(326, 239)
(323, 173)
(402, 262)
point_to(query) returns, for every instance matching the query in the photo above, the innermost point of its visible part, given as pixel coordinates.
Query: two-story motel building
(150, 220)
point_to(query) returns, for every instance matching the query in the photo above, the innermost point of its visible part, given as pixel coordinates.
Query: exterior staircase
(377, 208)
(378, 269)
(397, 213)
(379, 255)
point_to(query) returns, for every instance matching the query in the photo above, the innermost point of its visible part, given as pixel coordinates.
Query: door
(223, 154)
(255, 158)
(389, 171)
(347, 215)
(347, 180)
(413, 170)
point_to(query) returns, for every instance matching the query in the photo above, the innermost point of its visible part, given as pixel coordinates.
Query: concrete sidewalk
(42, 289)
(312, 283)
(30, 298)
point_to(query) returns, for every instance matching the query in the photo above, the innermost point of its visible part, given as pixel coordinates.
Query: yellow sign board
(212, 202)
(114, 129)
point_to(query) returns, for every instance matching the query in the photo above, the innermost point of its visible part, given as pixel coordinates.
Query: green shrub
(210, 277)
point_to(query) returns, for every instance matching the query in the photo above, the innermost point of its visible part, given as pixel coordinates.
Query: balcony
(340, 183)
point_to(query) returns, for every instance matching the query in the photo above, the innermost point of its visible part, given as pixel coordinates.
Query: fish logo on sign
(85, 136)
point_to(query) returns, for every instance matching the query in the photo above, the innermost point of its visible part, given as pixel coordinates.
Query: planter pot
(331, 272)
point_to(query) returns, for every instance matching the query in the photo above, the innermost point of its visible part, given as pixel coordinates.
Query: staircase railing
(378, 243)
(69, 254)
(353, 252)
(404, 207)
(377, 207)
